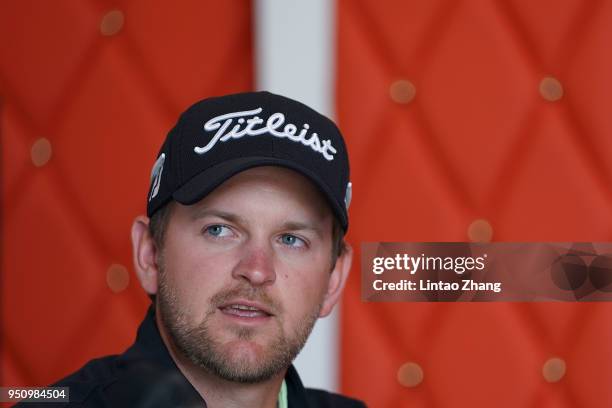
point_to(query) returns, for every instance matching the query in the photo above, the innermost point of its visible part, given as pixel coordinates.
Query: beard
(203, 348)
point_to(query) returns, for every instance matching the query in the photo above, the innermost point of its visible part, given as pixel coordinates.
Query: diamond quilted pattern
(103, 97)
(589, 93)
(111, 126)
(481, 362)
(15, 164)
(386, 25)
(215, 37)
(478, 141)
(418, 175)
(37, 270)
(545, 26)
(569, 182)
(48, 42)
(592, 353)
(474, 142)
(549, 326)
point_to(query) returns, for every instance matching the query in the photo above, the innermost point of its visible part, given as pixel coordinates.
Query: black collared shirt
(145, 376)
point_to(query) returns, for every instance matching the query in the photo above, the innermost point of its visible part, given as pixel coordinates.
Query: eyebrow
(206, 212)
(301, 226)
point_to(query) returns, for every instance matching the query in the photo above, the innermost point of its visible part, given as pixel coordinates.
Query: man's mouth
(245, 309)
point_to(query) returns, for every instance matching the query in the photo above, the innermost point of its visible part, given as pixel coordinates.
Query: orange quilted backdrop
(465, 120)
(477, 120)
(89, 89)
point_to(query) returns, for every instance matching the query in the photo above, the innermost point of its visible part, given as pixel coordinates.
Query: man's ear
(144, 253)
(337, 280)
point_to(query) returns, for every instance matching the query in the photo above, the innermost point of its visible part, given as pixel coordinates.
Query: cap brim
(205, 182)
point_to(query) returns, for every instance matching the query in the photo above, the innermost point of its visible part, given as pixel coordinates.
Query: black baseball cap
(216, 138)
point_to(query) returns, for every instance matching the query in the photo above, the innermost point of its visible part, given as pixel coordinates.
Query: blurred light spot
(480, 231)
(402, 91)
(117, 278)
(553, 370)
(410, 374)
(112, 23)
(551, 89)
(41, 152)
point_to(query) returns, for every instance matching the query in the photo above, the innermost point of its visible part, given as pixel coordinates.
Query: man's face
(244, 273)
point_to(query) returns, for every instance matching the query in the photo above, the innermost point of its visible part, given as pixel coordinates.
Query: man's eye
(218, 230)
(293, 241)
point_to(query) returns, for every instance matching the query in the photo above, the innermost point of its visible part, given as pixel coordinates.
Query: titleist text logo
(246, 123)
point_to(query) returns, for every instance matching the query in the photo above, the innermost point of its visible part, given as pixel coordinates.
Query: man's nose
(256, 265)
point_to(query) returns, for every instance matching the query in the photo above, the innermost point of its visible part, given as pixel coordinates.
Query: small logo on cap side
(246, 127)
(156, 174)
(348, 195)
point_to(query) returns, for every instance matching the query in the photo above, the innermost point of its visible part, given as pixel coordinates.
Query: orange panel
(89, 90)
(446, 121)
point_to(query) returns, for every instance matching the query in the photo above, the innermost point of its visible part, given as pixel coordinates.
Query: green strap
(283, 402)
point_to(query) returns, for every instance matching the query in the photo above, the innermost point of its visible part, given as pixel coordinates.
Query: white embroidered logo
(348, 195)
(246, 127)
(156, 174)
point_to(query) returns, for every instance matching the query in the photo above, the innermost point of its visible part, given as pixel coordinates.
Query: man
(241, 252)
